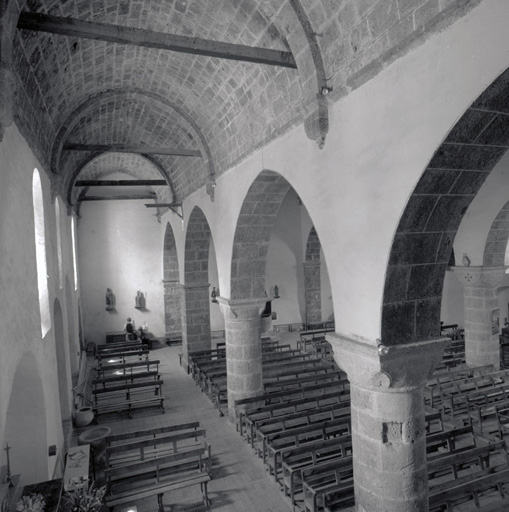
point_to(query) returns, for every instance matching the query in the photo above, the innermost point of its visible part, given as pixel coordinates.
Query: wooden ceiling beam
(120, 183)
(164, 205)
(128, 35)
(122, 148)
(117, 197)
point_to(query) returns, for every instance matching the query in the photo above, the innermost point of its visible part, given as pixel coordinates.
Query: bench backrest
(151, 432)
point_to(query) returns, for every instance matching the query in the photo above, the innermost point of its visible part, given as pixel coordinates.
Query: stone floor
(239, 480)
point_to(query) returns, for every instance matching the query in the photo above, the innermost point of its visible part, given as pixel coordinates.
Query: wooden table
(76, 467)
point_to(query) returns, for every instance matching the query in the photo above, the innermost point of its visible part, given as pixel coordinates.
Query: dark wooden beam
(118, 197)
(128, 35)
(121, 148)
(120, 183)
(164, 205)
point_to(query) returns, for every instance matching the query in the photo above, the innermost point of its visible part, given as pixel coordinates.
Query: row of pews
(152, 462)
(301, 429)
(126, 379)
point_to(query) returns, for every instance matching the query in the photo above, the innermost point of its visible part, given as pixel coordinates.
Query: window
(40, 253)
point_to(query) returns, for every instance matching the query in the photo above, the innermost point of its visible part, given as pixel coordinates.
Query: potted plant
(86, 499)
(32, 503)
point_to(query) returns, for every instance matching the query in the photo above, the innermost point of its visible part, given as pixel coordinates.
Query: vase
(83, 416)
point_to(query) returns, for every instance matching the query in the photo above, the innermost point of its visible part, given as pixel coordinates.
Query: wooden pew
(124, 401)
(273, 377)
(502, 416)
(267, 427)
(150, 433)
(127, 378)
(158, 489)
(299, 436)
(483, 404)
(127, 390)
(150, 448)
(328, 476)
(470, 488)
(244, 406)
(123, 355)
(449, 439)
(451, 464)
(300, 405)
(118, 347)
(294, 460)
(129, 368)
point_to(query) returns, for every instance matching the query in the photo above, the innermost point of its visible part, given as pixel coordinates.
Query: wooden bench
(273, 377)
(129, 368)
(154, 447)
(150, 433)
(325, 477)
(300, 405)
(267, 426)
(158, 489)
(469, 488)
(294, 460)
(295, 437)
(243, 406)
(126, 390)
(123, 355)
(127, 378)
(452, 463)
(118, 347)
(448, 440)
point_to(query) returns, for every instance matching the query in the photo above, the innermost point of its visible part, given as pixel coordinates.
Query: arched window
(59, 244)
(40, 253)
(74, 259)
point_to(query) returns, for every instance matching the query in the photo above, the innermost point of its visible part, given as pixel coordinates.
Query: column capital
(390, 368)
(244, 308)
(489, 277)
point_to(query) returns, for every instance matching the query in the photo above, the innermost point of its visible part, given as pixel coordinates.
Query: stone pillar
(313, 291)
(482, 313)
(6, 94)
(195, 319)
(172, 309)
(243, 348)
(388, 428)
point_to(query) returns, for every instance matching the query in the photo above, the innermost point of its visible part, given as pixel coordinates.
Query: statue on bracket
(110, 300)
(139, 300)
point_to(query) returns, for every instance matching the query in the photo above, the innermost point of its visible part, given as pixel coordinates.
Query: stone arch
(496, 242)
(90, 159)
(195, 292)
(312, 279)
(423, 240)
(172, 288)
(73, 118)
(63, 379)
(252, 235)
(74, 345)
(25, 426)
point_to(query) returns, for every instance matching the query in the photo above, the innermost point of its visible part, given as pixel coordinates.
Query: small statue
(466, 260)
(110, 300)
(139, 300)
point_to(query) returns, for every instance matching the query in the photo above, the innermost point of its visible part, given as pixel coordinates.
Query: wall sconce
(214, 294)
(276, 291)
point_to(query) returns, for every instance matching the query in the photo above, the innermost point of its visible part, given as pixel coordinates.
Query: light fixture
(325, 90)
(214, 294)
(276, 291)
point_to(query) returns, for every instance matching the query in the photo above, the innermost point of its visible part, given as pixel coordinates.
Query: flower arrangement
(86, 499)
(32, 503)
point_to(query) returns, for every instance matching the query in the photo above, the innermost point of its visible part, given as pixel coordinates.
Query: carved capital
(242, 309)
(394, 367)
(487, 277)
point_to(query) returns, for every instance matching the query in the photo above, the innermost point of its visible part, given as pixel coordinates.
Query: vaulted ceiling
(102, 87)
